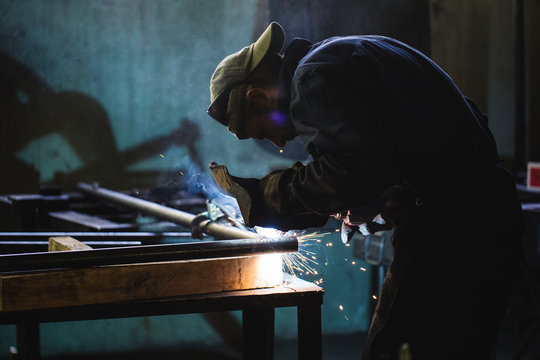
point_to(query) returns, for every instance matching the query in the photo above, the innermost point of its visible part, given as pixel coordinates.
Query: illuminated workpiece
(148, 253)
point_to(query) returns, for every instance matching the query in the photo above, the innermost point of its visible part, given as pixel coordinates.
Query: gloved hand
(259, 200)
(243, 189)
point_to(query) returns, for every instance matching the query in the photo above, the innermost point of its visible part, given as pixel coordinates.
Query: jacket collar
(297, 49)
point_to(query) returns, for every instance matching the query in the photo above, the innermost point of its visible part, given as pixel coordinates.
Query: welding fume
(394, 145)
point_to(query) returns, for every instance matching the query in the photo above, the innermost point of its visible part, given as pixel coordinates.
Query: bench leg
(28, 341)
(258, 327)
(309, 332)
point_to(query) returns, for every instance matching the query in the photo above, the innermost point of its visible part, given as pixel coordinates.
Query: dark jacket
(373, 112)
(376, 114)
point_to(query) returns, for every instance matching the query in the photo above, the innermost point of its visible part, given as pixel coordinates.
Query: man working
(389, 133)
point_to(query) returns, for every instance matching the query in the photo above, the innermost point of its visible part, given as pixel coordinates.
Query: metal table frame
(257, 316)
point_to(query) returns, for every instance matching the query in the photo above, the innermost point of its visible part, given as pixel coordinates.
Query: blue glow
(278, 118)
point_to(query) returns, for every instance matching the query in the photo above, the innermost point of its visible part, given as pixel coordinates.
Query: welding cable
(196, 230)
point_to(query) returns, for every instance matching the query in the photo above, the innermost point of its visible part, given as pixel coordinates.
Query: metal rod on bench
(93, 236)
(167, 213)
(148, 253)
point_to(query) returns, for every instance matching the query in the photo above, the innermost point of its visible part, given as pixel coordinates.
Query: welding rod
(147, 253)
(167, 213)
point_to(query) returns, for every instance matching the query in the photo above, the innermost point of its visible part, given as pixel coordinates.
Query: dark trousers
(456, 255)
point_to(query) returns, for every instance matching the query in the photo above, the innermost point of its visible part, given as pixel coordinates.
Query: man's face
(266, 122)
(270, 125)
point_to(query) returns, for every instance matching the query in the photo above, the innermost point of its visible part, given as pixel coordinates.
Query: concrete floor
(346, 347)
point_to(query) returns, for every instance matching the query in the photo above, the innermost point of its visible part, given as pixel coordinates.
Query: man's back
(359, 91)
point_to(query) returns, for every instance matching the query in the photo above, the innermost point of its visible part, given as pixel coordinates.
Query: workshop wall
(532, 78)
(116, 91)
(474, 42)
(135, 74)
(97, 90)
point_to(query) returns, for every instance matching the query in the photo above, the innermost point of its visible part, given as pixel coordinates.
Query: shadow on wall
(66, 137)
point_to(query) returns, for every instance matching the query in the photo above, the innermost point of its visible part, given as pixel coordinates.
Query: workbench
(257, 316)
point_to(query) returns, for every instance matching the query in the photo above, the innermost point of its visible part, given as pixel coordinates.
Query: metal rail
(142, 236)
(25, 242)
(148, 253)
(167, 213)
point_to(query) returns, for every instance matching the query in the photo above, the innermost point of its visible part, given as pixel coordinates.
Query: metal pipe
(25, 242)
(142, 236)
(148, 253)
(23, 246)
(167, 213)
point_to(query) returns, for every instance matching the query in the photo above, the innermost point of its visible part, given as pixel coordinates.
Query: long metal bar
(167, 213)
(25, 242)
(142, 236)
(148, 253)
(20, 247)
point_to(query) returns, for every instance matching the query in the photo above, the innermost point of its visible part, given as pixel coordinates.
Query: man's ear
(257, 94)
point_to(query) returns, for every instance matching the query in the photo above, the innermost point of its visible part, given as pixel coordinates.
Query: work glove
(259, 200)
(243, 189)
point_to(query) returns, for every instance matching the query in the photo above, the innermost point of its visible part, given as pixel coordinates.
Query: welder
(389, 133)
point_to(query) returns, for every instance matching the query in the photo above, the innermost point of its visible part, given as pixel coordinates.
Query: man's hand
(243, 189)
(258, 200)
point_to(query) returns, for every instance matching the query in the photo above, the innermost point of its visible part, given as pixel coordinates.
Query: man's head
(243, 90)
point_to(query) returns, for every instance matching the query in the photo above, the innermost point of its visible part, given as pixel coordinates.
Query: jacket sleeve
(338, 112)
